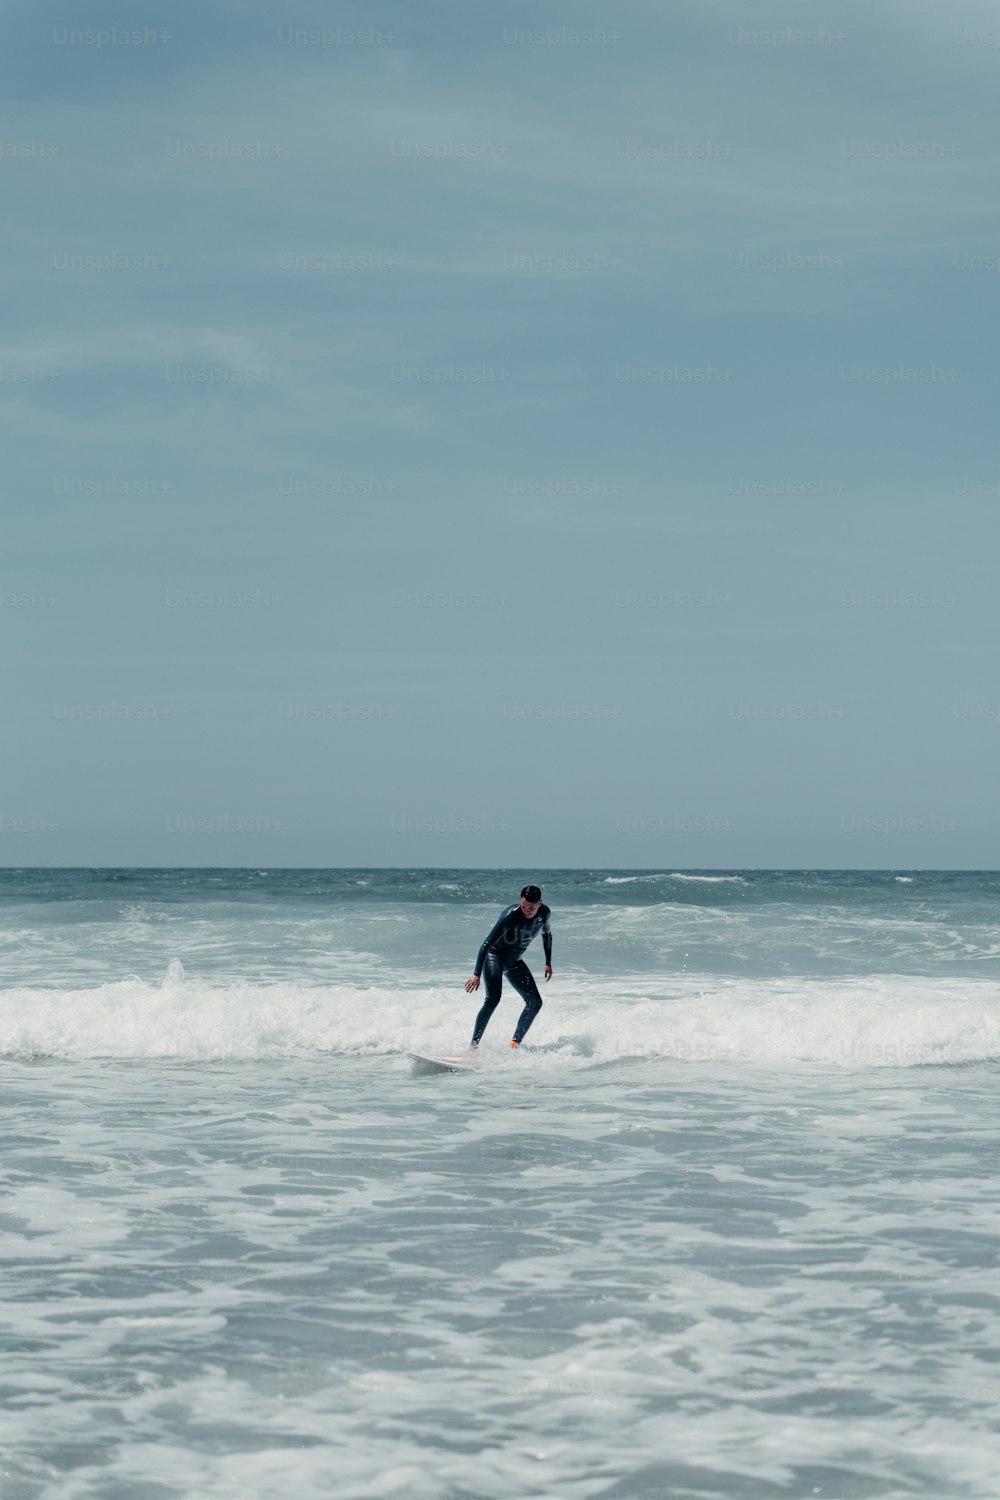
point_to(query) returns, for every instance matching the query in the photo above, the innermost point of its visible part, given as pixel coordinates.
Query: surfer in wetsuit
(500, 955)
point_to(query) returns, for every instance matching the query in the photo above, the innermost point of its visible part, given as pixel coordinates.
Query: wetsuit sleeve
(490, 938)
(547, 939)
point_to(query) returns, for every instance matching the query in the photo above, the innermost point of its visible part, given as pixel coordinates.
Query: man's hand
(548, 971)
(473, 983)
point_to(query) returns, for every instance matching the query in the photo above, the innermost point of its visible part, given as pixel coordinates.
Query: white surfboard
(423, 1064)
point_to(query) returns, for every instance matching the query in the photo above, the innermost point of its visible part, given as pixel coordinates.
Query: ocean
(726, 1227)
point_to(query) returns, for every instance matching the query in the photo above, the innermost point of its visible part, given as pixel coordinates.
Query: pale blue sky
(396, 428)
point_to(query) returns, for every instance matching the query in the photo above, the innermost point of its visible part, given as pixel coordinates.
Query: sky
(522, 436)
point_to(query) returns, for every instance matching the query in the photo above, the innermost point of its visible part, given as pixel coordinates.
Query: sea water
(726, 1227)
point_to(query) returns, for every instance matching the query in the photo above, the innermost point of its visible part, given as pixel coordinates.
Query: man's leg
(493, 974)
(523, 981)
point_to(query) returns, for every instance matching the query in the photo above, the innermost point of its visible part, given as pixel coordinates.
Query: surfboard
(423, 1064)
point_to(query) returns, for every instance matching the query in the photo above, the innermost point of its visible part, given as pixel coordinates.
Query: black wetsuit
(501, 953)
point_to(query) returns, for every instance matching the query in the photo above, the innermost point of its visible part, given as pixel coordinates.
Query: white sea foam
(758, 1282)
(675, 875)
(896, 1021)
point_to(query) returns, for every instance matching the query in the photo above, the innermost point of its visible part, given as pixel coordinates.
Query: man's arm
(547, 944)
(490, 938)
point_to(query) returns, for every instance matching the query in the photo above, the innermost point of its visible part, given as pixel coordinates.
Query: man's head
(531, 900)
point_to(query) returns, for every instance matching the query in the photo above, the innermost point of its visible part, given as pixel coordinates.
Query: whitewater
(725, 1227)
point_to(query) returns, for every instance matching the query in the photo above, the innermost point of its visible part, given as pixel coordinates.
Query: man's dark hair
(532, 893)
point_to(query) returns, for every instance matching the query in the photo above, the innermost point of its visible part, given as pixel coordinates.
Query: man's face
(530, 908)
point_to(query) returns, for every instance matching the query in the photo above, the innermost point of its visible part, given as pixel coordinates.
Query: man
(501, 953)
